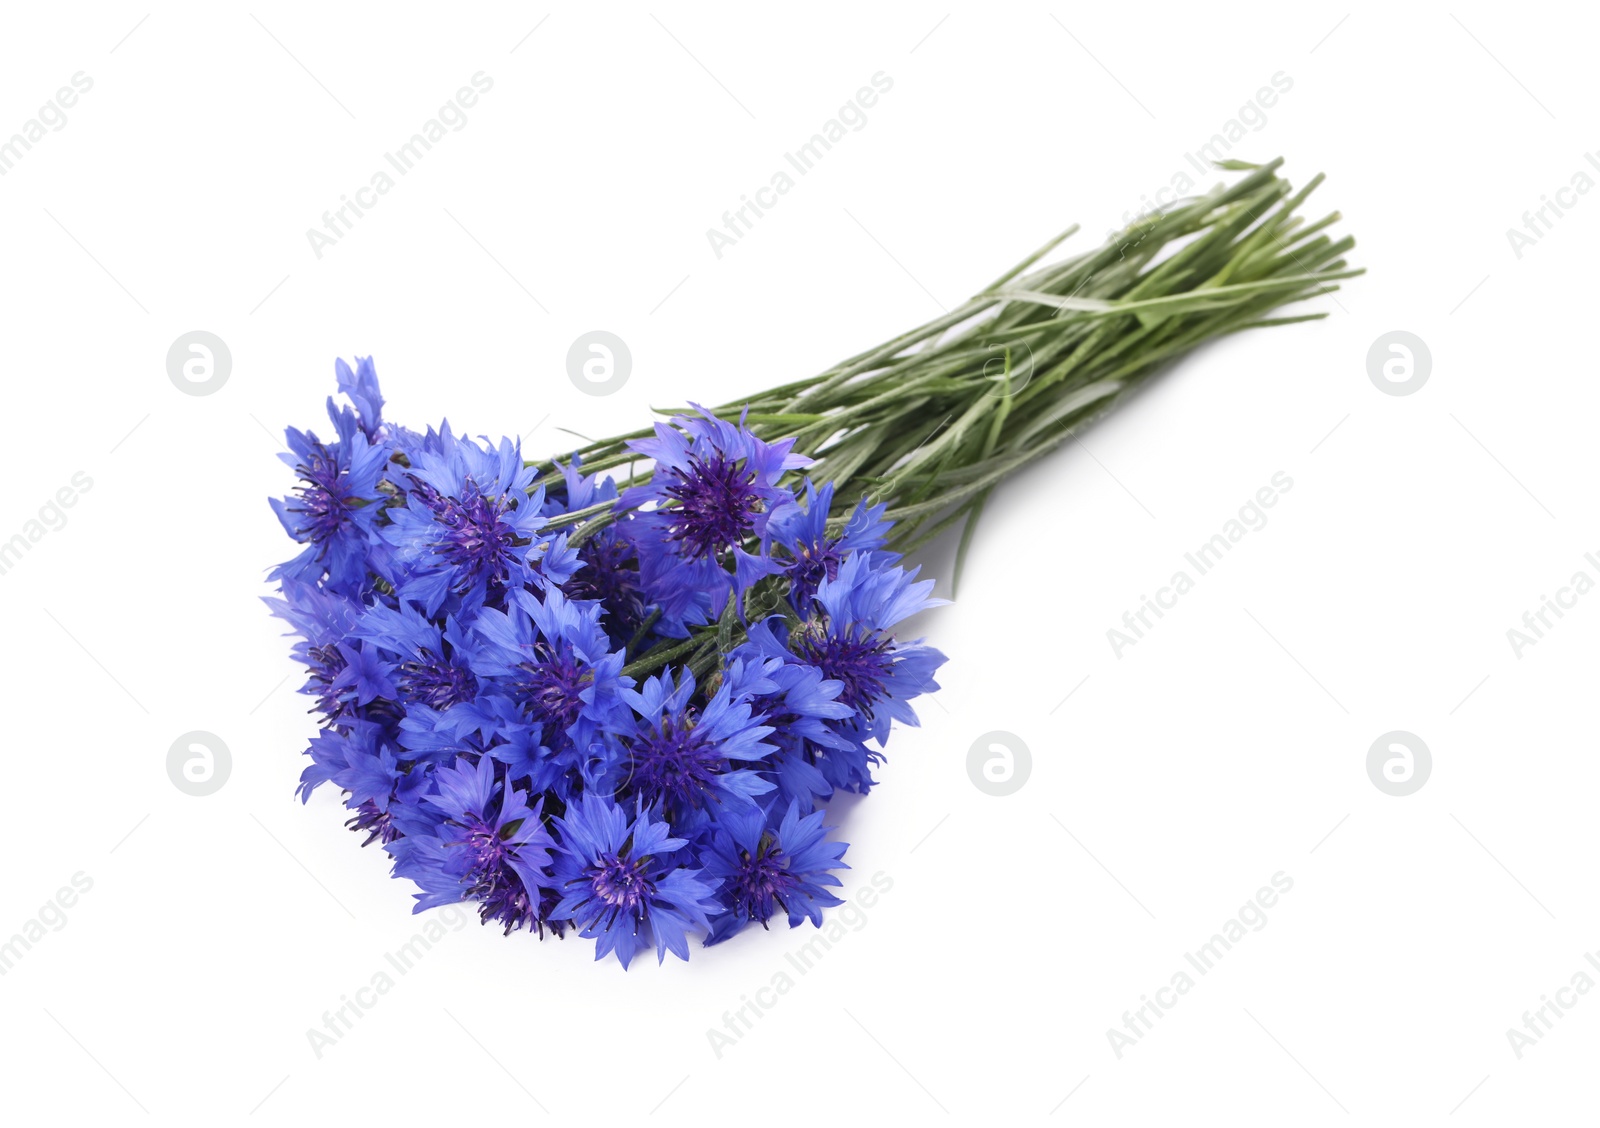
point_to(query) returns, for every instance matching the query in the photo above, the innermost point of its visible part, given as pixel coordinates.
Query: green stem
(932, 420)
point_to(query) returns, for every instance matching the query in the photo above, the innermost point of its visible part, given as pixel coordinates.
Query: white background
(1228, 745)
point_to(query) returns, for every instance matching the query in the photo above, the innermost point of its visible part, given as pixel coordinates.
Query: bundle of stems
(929, 422)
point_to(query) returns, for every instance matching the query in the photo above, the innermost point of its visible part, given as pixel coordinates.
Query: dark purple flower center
(813, 563)
(552, 689)
(490, 878)
(326, 664)
(861, 662)
(325, 499)
(474, 541)
(610, 575)
(676, 762)
(436, 683)
(717, 505)
(485, 848)
(548, 900)
(621, 884)
(762, 881)
(508, 901)
(378, 824)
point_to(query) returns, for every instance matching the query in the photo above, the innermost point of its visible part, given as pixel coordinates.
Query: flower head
(468, 530)
(552, 667)
(814, 556)
(490, 846)
(682, 757)
(713, 489)
(620, 882)
(767, 870)
(334, 511)
(850, 639)
(715, 482)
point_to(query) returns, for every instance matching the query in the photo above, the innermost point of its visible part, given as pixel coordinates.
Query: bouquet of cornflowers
(613, 692)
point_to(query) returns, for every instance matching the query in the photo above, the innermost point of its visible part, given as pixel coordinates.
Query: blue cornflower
(621, 882)
(766, 870)
(849, 637)
(801, 705)
(334, 511)
(814, 556)
(714, 486)
(360, 759)
(796, 697)
(323, 619)
(433, 665)
(715, 483)
(491, 847)
(552, 659)
(468, 527)
(681, 757)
